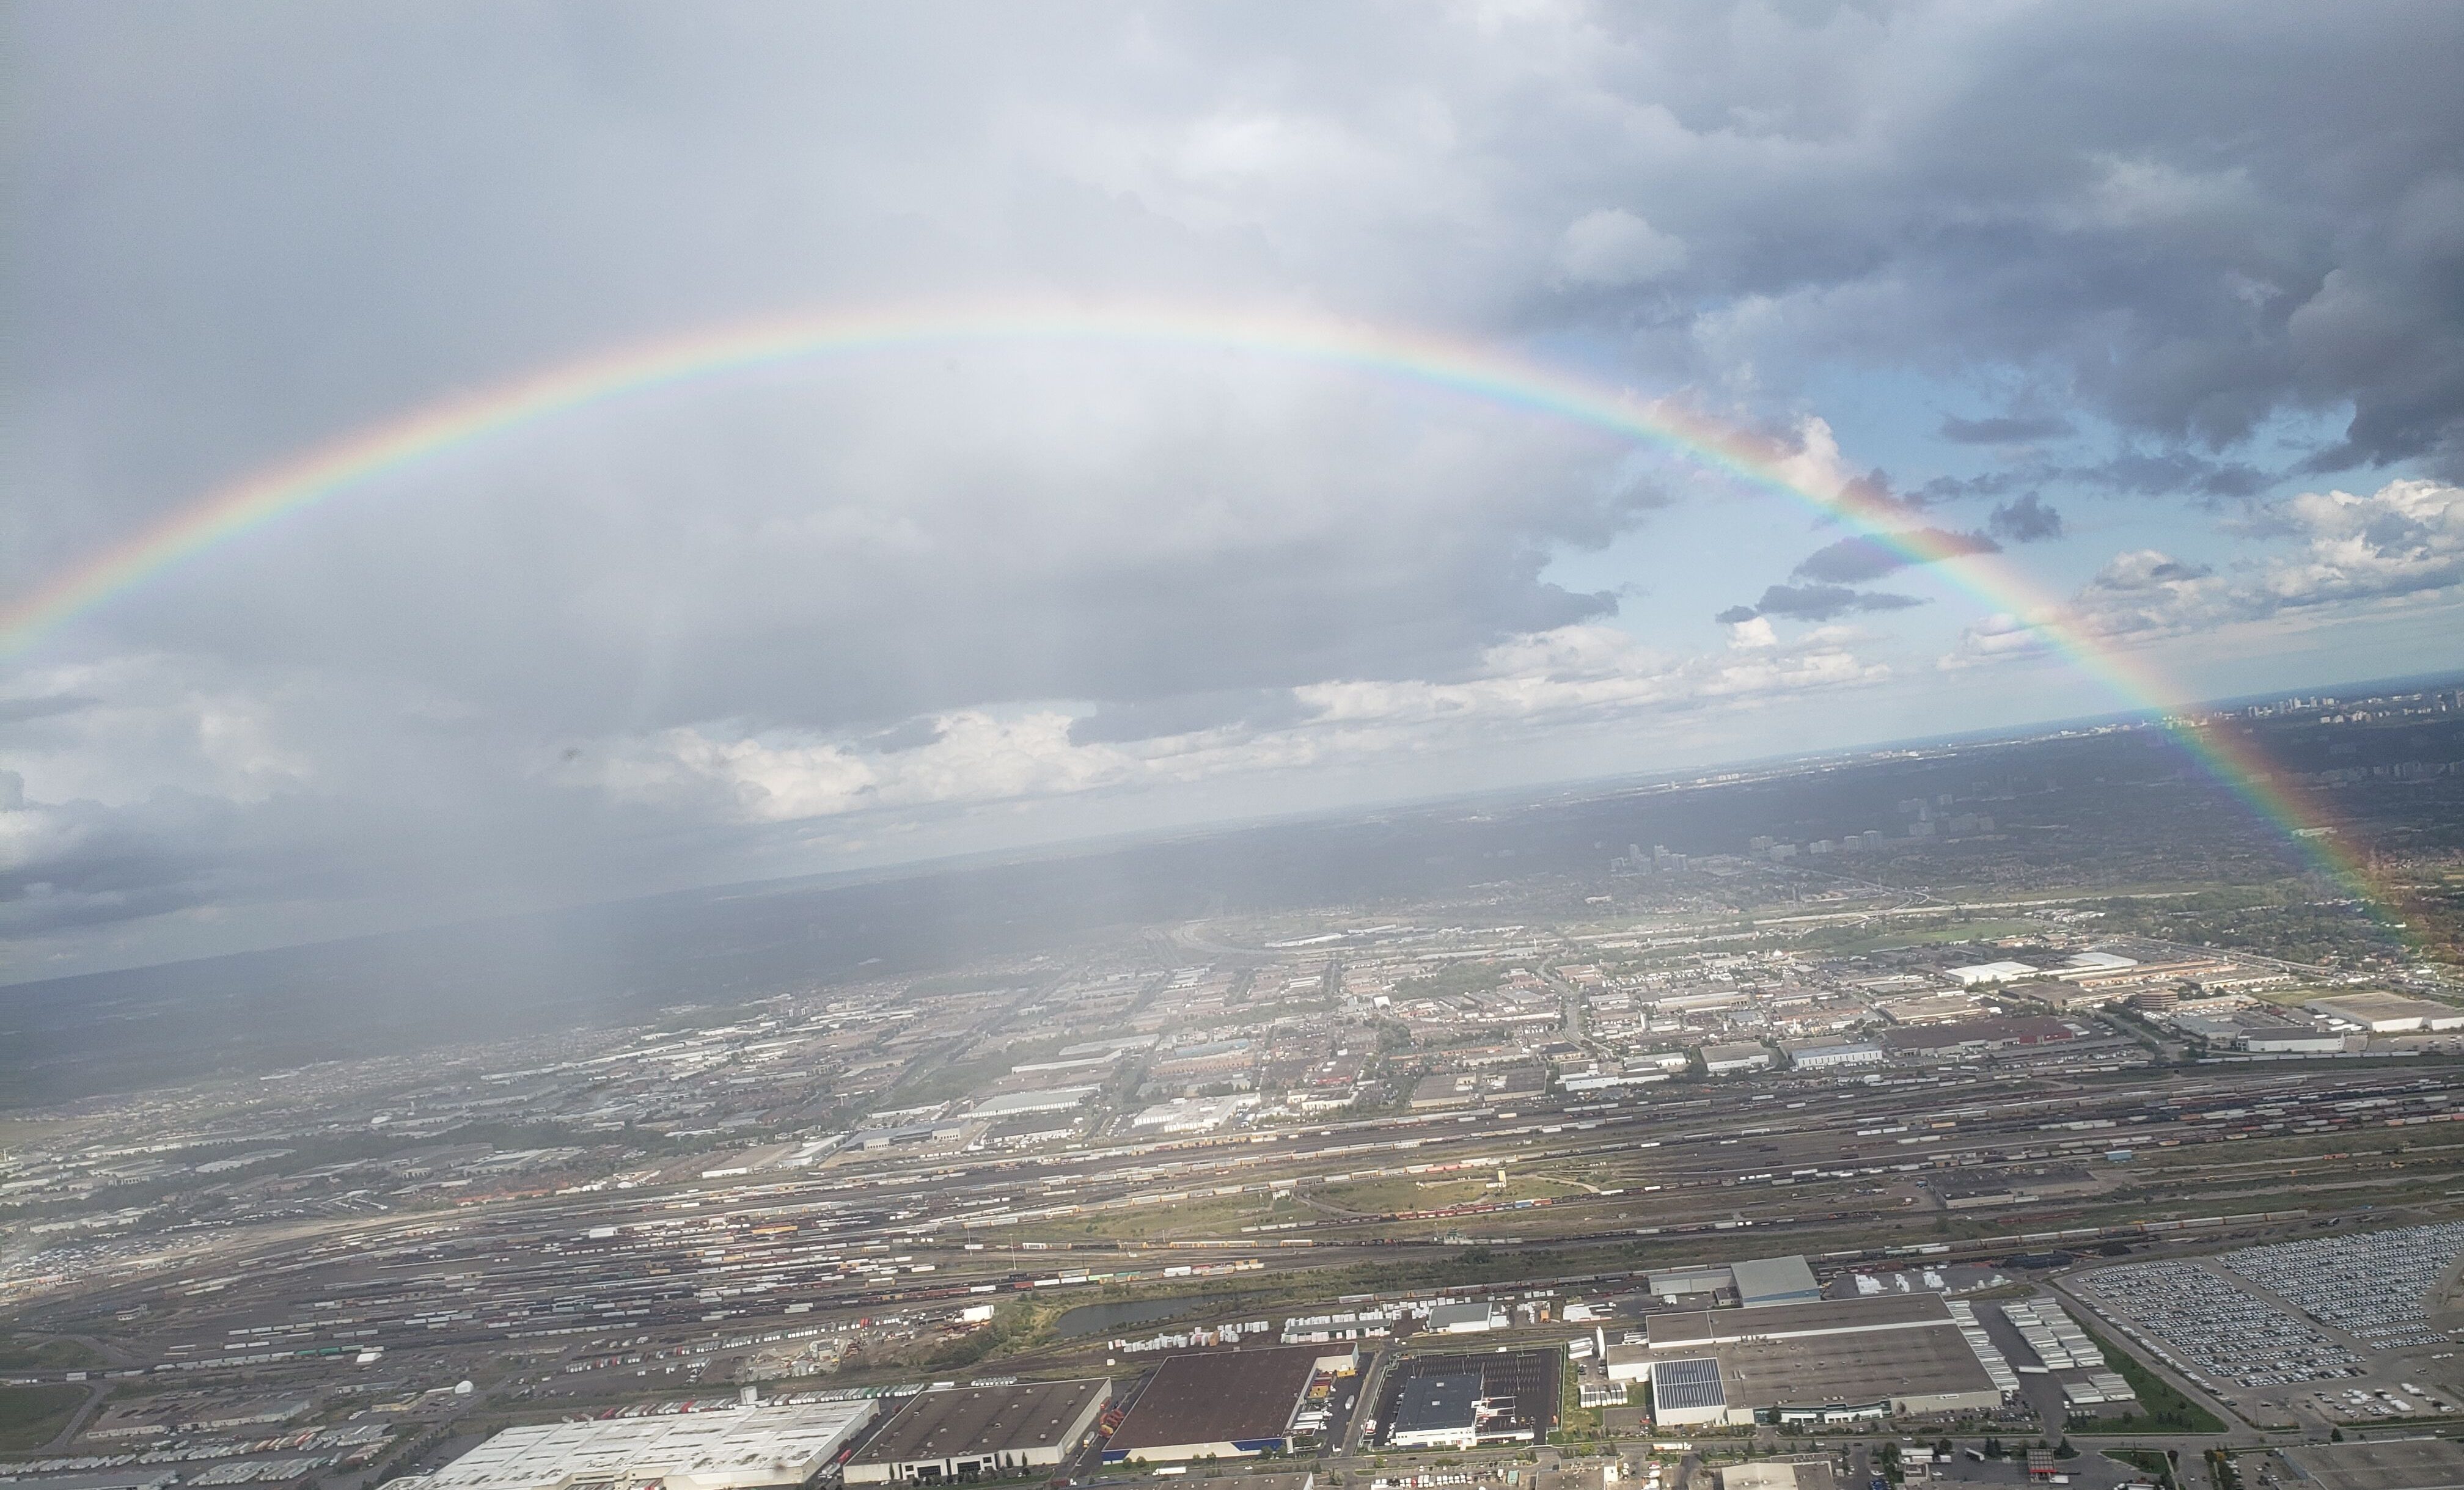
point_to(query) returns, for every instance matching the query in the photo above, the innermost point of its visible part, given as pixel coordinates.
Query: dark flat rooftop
(1520, 1384)
(969, 1422)
(1219, 1396)
(1438, 1402)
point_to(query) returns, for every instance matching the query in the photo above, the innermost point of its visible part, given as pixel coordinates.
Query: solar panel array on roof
(1678, 1385)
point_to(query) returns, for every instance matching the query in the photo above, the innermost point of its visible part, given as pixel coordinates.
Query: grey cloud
(238, 231)
(913, 734)
(2027, 520)
(938, 531)
(1855, 561)
(2174, 473)
(1817, 602)
(17, 711)
(2146, 571)
(2008, 429)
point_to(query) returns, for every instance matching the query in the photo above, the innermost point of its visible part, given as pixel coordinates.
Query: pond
(1089, 1318)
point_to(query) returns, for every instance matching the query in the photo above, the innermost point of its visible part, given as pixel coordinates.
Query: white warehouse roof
(1989, 973)
(688, 1451)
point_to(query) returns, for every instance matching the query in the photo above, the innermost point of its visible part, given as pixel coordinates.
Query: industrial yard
(1760, 1153)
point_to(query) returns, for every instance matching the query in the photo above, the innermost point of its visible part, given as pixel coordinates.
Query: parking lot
(2373, 1287)
(2213, 1332)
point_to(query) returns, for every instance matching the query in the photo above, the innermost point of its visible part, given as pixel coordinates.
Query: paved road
(95, 1393)
(1371, 1377)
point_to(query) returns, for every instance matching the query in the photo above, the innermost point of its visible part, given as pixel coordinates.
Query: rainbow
(363, 456)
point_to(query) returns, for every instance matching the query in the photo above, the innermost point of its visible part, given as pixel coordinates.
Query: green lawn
(30, 1416)
(2147, 1461)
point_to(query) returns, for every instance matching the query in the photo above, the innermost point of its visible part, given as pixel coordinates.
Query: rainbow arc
(358, 458)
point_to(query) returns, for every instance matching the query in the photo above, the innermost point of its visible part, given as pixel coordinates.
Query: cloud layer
(659, 641)
(2403, 543)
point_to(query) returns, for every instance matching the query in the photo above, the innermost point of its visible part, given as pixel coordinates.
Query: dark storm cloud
(2162, 236)
(2008, 430)
(2027, 520)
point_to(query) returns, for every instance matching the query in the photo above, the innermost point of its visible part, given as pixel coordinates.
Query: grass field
(32, 1354)
(2163, 1409)
(30, 1416)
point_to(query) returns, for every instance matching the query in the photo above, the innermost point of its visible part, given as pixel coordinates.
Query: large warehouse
(1222, 1404)
(1833, 1360)
(1437, 1412)
(1687, 1393)
(966, 1432)
(1465, 1398)
(736, 1449)
(1764, 1282)
(2388, 1014)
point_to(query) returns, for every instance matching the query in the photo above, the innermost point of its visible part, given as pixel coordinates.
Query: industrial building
(2386, 1464)
(1679, 1282)
(2264, 1030)
(1822, 1054)
(736, 1449)
(1465, 1319)
(1687, 1393)
(1833, 1360)
(1437, 1412)
(1989, 973)
(1223, 1404)
(1976, 1037)
(1038, 1128)
(1461, 1399)
(1764, 1282)
(1777, 1475)
(1731, 1059)
(1057, 1099)
(966, 1432)
(2388, 1014)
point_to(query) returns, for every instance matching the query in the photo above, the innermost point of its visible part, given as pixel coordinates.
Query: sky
(2163, 306)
